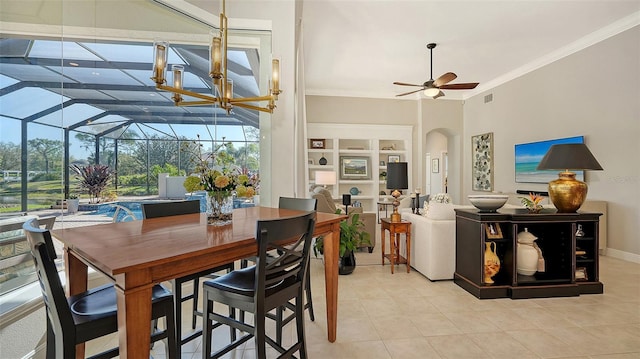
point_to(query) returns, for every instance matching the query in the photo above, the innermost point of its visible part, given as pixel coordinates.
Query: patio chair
(165, 209)
(89, 315)
(268, 285)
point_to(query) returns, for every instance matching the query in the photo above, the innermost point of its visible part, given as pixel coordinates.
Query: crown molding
(595, 37)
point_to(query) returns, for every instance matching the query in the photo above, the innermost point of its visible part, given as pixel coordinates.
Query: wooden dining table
(139, 254)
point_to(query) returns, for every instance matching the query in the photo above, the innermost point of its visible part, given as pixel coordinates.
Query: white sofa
(433, 241)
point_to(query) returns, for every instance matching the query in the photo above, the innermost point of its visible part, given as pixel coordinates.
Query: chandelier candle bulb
(177, 71)
(275, 81)
(215, 58)
(177, 75)
(160, 61)
(229, 90)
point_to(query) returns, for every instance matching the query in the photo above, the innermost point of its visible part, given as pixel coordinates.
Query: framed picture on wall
(317, 143)
(435, 165)
(352, 167)
(482, 162)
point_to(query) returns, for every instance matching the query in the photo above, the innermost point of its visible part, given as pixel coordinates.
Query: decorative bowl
(488, 202)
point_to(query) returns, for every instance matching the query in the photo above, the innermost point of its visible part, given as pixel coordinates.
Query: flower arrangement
(247, 185)
(217, 174)
(213, 172)
(532, 202)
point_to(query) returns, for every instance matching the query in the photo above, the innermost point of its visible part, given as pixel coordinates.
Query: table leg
(383, 239)
(398, 242)
(408, 237)
(134, 318)
(76, 275)
(392, 250)
(331, 254)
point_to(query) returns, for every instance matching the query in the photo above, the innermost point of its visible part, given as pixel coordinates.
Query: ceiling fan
(432, 88)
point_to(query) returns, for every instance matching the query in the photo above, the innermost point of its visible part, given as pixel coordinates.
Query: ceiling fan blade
(408, 93)
(440, 94)
(464, 86)
(405, 84)
(444, 79)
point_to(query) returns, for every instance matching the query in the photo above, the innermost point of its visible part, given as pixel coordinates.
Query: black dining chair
(269, 284)
(174, 208)
(88, 315)
(301, 204)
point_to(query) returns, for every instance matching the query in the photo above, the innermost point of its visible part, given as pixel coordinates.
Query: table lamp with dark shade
(567, 193)
(397, 179)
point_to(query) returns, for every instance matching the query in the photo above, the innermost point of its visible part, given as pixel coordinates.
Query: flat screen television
(528, 155)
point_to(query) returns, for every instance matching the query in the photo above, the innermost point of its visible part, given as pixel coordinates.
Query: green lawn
(43, 194)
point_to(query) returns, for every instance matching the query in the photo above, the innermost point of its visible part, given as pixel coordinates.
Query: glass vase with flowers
(219, 178)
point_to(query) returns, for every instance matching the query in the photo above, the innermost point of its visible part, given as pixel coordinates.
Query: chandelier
(222, 86)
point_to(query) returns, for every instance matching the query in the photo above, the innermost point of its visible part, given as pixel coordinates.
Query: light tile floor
(405, 315)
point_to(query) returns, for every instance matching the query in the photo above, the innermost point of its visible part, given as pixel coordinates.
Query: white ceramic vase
(528, 255)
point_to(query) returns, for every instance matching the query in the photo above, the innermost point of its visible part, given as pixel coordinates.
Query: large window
(83, 102)
(103, 96)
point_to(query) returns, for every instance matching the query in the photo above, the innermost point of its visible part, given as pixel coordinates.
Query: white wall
(594, 92)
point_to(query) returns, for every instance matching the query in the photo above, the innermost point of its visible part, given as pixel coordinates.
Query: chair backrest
(291, 261)
(164, 209)
(44, 255)
(302, 204)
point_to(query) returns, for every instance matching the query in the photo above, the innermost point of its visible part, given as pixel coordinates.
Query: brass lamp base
(567, 193)
(395, 216)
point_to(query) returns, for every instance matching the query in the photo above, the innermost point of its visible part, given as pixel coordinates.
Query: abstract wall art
(482, 162)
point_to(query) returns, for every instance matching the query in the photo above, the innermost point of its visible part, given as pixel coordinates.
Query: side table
(395, 230)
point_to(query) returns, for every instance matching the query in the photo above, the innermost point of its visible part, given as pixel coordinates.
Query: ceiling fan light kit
(432, 92)
(433, 88)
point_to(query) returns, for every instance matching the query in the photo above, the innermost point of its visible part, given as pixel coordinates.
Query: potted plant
(93, 179)
(73, 202)
(352, 234)
(532, 203)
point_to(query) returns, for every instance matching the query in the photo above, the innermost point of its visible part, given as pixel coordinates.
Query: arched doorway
(442, 167)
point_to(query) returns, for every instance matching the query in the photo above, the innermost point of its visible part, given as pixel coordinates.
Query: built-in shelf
(374, 142)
